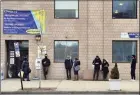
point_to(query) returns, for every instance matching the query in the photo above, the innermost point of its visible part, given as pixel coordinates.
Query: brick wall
(95, 29)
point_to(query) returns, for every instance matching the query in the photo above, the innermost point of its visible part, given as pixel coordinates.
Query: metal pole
(40, 69)
(20, 74)
(41, 52)
(87, 32)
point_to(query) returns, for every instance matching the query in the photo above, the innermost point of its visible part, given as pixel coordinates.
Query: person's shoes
(133, 80)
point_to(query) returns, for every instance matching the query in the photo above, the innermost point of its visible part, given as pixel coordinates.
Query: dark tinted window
(66, 8)
(65, 13)
(123, 50)
(65, 48)
(124, 9)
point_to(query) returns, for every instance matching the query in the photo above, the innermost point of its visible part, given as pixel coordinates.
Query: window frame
(126, 18)
(124, 41)
(66, 18)
(64, 40)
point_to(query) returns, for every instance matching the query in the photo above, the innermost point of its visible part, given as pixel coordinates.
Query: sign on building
(130, 35)
(41, 51)
(24, 21)
(17, 52)
(38, 63)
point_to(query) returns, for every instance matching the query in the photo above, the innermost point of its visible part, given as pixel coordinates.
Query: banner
(24, 22)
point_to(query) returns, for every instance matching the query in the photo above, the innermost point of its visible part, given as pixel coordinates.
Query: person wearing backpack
(26, 69)
(45, 63)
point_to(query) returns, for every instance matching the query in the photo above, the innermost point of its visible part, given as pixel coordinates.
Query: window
(64, 49)
(66, 9)
(124, 9)
(123, 50)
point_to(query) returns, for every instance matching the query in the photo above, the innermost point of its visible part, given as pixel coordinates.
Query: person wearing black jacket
(26, 69)
(133, 68)
(68, 65)
(105, 69)
(45, 63)
(76, 68)
(96, 62)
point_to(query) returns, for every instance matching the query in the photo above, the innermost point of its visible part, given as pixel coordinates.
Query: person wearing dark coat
(68, 65)
(26, 69)
(76, 68)
(45, 63)
(96, 62)
(105, 69)
(133, 68)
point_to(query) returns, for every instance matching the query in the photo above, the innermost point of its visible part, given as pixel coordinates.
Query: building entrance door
(14, 63)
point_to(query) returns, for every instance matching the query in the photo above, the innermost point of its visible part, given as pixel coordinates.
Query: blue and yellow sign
(24, 22)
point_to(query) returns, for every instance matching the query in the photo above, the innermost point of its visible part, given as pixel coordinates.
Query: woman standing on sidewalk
(76, 68)
(105, 69)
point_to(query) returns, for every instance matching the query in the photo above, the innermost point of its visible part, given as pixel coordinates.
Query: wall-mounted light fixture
(38, 37)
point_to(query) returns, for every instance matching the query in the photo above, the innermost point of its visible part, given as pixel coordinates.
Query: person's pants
(133, 74)
(68, 72)
(96, 72)
(105, 75)
(26, 75)
(45, 71)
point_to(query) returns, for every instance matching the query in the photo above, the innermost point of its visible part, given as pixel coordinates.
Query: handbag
(21, 74)
(77, 68)
(29, 70)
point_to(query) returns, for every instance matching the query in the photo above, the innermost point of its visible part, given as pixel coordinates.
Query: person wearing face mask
(45, 63)
(96, 62)
(133, 68)
(105, 69)
(68, 65)
(26, 69)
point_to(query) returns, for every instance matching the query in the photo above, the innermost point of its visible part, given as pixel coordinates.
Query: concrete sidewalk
(13, 85)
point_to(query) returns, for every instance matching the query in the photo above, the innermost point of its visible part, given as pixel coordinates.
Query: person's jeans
(68, 72)
(133, 74)
(96, 72)
(105, 75)
(26, 75)
(45, 71)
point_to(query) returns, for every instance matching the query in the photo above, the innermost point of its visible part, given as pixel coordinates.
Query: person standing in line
(68, 65)
(105, 69)
(26, 69)
(45, 63)
(76, 68)
(96, 62)
(133, 68)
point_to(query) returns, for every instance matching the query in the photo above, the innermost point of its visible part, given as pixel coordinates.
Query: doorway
(14, 63)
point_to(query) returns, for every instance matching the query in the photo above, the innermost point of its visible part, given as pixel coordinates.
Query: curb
(71, 92)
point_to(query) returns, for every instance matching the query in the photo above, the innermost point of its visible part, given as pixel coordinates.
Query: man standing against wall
(45, 63)
(68, 65)
(133, 68)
